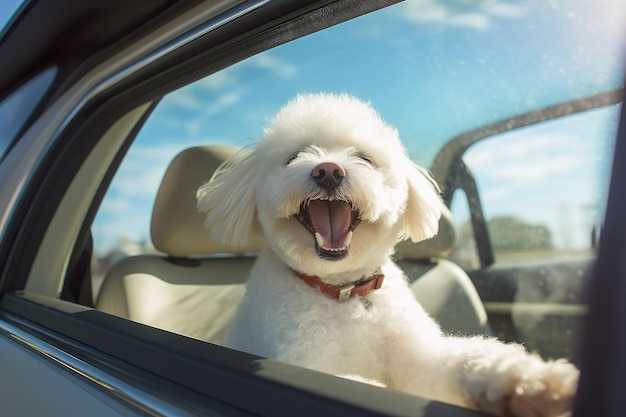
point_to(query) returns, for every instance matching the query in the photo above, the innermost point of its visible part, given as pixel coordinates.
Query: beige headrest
(177, 227)
(438, 246)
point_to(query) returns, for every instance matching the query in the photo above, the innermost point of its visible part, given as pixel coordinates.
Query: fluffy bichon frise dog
(332, 190)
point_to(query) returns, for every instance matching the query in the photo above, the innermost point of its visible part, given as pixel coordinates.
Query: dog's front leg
(484, 373)
(504, 379)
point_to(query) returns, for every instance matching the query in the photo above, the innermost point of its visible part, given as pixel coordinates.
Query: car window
(18, 106)
(542, 189)
(435, 77)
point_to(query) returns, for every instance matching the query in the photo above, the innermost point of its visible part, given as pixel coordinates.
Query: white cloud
(194, 127)
(276, 66)
(477, 14)
(217, 81)
(185, 98)
(501, 8)
(523, 161)
(222, 102)
(517, 146)
(220, 91)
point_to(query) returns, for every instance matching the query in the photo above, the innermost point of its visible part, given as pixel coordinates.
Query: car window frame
(36, 88)
(603, 364)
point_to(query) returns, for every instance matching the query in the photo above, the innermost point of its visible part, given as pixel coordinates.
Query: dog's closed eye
(366, 159)
(292, 157)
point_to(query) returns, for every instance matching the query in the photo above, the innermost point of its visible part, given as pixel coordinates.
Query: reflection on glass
(17, 107)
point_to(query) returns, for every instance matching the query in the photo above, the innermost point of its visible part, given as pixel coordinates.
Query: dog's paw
(527, 388)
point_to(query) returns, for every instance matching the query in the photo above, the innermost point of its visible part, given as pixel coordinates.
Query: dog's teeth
(319, 239)
(320, 242)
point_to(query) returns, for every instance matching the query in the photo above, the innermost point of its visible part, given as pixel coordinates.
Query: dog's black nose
(328, 174)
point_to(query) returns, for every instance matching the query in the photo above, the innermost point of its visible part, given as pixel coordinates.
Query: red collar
(345, 292)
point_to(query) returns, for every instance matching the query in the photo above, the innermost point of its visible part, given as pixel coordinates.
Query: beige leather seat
(194, 287)
(442, 287)
(178, 290)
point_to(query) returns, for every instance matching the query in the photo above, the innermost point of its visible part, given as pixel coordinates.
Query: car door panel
(541, 305)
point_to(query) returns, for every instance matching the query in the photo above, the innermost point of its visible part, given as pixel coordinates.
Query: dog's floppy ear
(228, 199)
(424, 204)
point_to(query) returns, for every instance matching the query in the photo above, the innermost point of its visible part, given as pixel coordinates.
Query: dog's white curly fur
(389, 340)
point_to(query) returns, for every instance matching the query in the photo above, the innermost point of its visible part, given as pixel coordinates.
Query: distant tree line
(509, 233)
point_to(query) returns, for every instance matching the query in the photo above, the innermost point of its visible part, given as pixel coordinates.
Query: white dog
(332, 190)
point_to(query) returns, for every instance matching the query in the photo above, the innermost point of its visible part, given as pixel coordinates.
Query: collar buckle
(345, 292)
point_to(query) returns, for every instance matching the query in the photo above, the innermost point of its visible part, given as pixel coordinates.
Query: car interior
(194, 286)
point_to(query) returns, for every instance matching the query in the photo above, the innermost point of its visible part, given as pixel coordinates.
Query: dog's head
(330, 186)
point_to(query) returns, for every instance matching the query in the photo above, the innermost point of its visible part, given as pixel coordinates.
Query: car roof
(69, 32)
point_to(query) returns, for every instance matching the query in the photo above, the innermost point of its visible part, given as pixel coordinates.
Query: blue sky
(431, 79)
(434, 69)
(7, 8)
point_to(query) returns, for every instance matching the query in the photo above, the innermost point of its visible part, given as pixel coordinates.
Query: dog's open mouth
(332, 223)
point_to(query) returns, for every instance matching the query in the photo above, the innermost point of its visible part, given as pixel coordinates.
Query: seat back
(442, 287)
(194, 286)
(177, 290)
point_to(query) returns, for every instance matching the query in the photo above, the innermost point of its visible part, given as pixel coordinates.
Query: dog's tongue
(331, 219)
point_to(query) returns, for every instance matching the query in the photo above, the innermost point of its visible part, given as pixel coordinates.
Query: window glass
(543, 188)
(17, 107)
(435, 70)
